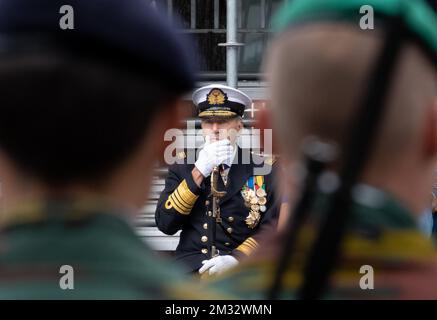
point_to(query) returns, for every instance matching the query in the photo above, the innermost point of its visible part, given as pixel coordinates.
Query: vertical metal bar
(231, 37)
(240, 19)
(170, 10)
(193, 14)
(240, 13)
(216, 13)
(262, 14)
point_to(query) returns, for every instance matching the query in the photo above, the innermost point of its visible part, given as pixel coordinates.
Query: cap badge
(216, 96)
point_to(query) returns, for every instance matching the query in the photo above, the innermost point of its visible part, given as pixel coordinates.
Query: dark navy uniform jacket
(182, 207)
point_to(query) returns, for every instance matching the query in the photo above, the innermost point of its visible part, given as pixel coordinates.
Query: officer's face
(218, 129)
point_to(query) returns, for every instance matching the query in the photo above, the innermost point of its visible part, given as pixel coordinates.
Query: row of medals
(256, 202)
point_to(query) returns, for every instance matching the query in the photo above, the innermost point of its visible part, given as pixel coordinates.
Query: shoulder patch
(181, 155)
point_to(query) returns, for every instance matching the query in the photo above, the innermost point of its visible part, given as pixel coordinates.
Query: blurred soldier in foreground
(324, 71)
(82, 114)
(433, 211)
(207, 244)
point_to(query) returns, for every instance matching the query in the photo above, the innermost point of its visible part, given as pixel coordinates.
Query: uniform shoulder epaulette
(267, 159)
(270, 160)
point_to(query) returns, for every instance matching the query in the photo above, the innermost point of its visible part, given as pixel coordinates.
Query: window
(205, 20)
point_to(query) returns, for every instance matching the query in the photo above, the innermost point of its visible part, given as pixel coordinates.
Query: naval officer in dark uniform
(249, 205)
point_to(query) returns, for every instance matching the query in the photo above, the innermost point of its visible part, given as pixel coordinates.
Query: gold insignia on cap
(216, 113)
(216, 96)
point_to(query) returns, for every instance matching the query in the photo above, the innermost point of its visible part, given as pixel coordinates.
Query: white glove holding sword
(215, 154)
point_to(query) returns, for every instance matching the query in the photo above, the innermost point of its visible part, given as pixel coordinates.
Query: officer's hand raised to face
(214, 154)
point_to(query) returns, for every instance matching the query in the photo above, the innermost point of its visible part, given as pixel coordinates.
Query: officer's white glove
(214, 154)
(218, 264)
